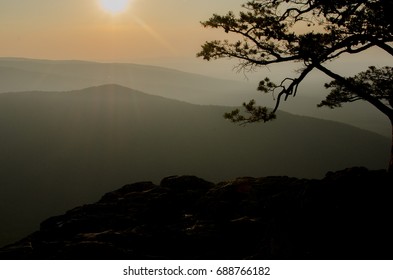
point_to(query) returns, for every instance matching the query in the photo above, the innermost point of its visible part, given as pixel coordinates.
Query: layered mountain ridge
(62, 149)
(21, 74)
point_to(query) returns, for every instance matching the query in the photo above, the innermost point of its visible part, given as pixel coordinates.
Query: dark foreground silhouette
(346, 215)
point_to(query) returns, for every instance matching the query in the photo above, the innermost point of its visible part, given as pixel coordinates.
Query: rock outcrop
(346, 215)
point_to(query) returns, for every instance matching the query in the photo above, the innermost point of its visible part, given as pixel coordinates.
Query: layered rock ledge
(346, 215)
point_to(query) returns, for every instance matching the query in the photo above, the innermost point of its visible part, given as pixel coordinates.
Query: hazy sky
(82, 29)
(159, 32)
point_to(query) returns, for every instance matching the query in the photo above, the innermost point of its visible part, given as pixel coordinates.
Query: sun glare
(114, 6)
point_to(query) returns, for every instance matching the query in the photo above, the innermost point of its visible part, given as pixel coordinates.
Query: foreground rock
(347, 215)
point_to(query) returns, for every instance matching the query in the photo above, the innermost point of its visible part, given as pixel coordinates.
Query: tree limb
(358, 90)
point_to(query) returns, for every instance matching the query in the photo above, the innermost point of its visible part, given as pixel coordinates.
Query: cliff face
(346, 215)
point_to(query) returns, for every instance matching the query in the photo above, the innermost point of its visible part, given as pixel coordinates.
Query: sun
(114, 6)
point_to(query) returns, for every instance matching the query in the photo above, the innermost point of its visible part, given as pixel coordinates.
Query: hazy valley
(61, 149)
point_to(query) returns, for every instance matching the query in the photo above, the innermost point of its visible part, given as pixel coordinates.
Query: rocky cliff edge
(346, 215)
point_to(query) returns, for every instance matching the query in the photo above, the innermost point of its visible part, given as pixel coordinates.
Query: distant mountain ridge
(49, 75)
(61, 149)
(22, 74)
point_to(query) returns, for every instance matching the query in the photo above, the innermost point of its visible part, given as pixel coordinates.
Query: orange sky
(81, 29)
(158, 32)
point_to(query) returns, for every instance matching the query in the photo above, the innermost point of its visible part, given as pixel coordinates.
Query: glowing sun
(114, 6)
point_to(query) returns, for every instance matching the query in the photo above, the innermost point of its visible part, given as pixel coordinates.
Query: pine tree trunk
(390, 169)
